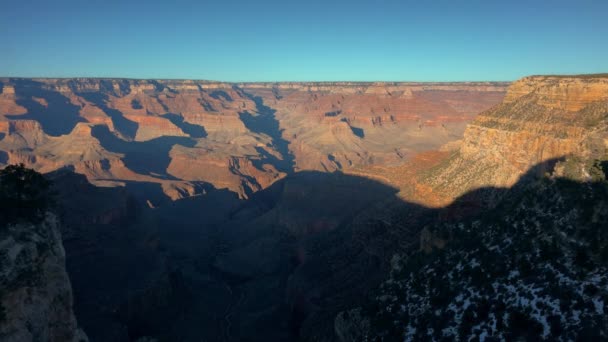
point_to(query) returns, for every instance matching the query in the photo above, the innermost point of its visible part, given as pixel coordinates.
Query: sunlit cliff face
(184, 135)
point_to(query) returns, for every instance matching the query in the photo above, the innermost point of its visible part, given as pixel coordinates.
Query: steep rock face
(7, 101)
(36, 293)
(557, 117)
(561, 92)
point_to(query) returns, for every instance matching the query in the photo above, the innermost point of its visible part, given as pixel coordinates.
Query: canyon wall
(542, 118)
(183, 135)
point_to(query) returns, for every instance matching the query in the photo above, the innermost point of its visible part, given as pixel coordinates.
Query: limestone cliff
(35, 291)
(541, 118)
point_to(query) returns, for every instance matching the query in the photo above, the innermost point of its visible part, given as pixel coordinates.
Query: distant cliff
(184, 135)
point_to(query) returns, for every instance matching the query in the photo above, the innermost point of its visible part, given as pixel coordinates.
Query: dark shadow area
(147, 193)
(55, 113)
(135, 104)
(126, 127)
(221, 95)
(358, 131)
(266, 123)
(334, 113)
(109, 254)
(164, 105)
(207, 106)
(106, 86)
(124, 86)
(147, 157)
(145, 312)
(25, 197)
(276, 267)
(604, 166)
(277, 94)
(195, 131)
(3, 155)
(133, 268)
(82, 202)
(334, 160)
(159, 87)
(267, 158)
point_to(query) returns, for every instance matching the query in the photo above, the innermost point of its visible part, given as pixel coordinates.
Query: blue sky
(312, 40)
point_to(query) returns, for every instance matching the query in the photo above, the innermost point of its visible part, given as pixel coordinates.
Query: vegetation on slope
(533, 268)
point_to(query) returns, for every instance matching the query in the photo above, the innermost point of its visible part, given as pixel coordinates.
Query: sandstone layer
(542, 118)
(179, 136)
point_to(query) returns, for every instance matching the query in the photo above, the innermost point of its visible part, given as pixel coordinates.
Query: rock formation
(541, 118)
(241, 137)
(557, 117)
(36, 294)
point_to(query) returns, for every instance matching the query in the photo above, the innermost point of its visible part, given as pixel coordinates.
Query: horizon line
(234, 82)
(589, 75)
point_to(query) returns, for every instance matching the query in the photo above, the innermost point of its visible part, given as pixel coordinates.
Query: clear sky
(285, 40)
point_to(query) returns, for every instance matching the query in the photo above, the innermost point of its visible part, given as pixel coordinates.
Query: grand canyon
(189, 210)
(179, 137)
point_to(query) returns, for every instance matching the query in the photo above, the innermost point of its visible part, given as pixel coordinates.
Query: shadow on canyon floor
(221, 95)
(124, 126)
(264, 122)
(276, 267)
(194, 131)
(56, 114)
(145, 157)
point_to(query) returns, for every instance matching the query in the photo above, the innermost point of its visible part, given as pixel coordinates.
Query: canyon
(181, 136)
(289, 211)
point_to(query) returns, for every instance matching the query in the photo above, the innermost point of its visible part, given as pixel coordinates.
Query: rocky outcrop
(542, 118)
(239, 170)
(35, 291)
(570, 93)
(7, 101)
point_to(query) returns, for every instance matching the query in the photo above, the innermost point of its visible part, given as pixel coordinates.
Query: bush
(24, 195)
